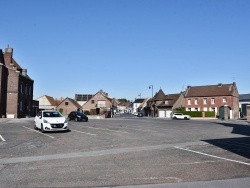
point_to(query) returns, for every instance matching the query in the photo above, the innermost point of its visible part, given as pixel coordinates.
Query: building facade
(100, 104)
(213, 98)
(16, 88)
(68, 105)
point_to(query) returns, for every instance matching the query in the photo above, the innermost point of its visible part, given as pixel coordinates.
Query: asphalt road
(126, 152)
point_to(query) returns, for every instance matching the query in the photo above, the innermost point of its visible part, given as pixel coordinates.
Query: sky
(123, 46)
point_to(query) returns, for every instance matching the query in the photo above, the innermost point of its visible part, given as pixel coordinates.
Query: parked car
(77, 116)
(140, 114)
(50, 120)
(135, 113)
(180, 116)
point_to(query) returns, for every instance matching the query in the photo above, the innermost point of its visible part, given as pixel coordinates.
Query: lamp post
(152, 87)
(139, 95)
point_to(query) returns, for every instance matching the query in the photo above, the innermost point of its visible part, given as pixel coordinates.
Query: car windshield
(51, 114)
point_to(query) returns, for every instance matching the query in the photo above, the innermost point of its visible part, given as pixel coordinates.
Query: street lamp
(139, 95)
(152, 87)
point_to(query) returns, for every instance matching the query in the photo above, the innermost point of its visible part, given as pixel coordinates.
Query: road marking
(107, 130)
(4, 161)
(2, 138)
(84, 132)
(212, 156)
(142, 130)
(38, 132)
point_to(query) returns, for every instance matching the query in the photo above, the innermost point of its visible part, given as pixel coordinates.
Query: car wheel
(35, 128)
(185, 118)
(42, 129)
(174, 118)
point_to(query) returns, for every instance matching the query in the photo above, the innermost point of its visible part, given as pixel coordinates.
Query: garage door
(168, 113)
(162, 113)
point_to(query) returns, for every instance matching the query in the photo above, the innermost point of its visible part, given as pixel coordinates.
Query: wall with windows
(208, 103)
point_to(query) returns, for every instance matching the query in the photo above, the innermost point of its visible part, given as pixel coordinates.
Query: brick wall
(232, 102)
(3, 86)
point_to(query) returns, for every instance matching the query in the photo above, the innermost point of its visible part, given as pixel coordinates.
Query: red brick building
(213, 98)
(3, 85)
(16, 100)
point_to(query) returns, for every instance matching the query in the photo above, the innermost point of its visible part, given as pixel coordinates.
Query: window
(196, 101)
(205, 101)
(26, 90)
(224, 99)
(166, 102)
(66, 103)
(189, 101)
(92, 101)
(21, 88)
(21, 105)
(30, 90)
(213, 101)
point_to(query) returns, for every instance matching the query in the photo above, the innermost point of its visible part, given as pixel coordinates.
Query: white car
(180, 116)
(50, 120)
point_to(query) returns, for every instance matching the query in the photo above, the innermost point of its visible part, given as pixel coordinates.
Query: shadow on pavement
(239, 145)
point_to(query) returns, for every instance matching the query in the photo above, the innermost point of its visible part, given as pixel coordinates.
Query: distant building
(47, 103)
(213, 98)
(68, 105)
(82, 98)
(244, 100)
(100, 104)
(16, 88)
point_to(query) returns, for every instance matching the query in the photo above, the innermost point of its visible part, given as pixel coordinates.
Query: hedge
(197, 113)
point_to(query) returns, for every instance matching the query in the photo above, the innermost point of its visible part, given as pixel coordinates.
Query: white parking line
(213, 156)
(84, 132)
(38, 132)
(142, 130)
(2, 138)
(107, 130)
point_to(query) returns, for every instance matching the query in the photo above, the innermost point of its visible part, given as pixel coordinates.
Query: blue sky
(123, 46)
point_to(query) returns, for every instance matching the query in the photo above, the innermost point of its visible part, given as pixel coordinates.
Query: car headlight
(66, 120)
(45, 121)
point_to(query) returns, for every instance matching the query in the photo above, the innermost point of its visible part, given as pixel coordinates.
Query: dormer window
(166, 102)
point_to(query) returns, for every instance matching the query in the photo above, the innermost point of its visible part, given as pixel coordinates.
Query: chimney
(8, 56)
(24, 72)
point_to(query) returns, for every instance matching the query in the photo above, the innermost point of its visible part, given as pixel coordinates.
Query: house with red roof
(213, 98)
(100, 104)
(68, 105)
(47, 103)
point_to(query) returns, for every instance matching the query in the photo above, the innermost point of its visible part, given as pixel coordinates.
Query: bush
(87, 112)
(197, 113)
(210, 114)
